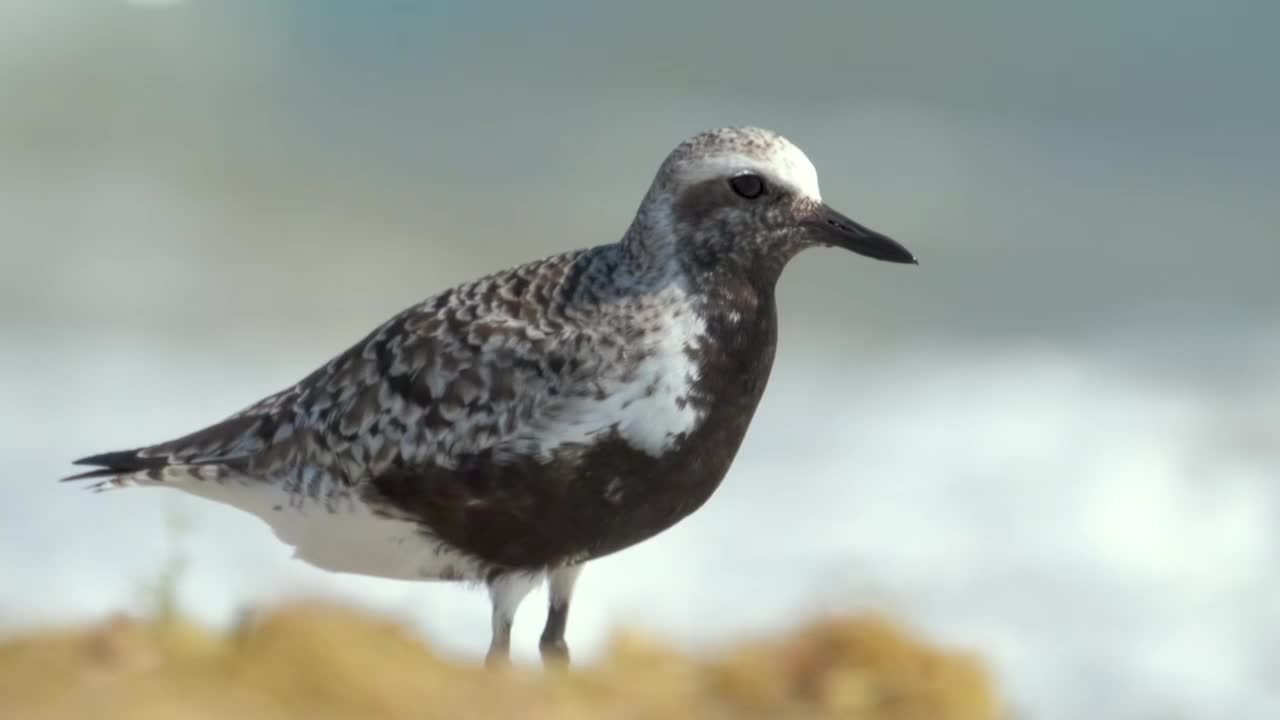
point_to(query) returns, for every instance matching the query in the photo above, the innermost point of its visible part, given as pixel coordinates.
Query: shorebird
(512, 428)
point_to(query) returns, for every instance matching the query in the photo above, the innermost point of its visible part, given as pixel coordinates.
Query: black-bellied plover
(514, 427)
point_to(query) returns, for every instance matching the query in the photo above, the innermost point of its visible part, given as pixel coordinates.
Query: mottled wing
(490, 367)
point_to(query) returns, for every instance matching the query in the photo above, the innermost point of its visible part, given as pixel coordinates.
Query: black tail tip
(111, 463)
(90, 475)
(123, 459)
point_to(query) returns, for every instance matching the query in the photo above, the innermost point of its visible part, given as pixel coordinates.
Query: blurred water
(1057, 441)
(1101, 528)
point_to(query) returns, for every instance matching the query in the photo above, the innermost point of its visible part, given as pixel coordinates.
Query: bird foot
(555, 653)
(497, 660)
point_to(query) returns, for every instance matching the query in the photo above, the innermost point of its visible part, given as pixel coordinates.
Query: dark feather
(114, 463)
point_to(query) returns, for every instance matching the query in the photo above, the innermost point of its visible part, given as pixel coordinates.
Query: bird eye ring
(747, 185)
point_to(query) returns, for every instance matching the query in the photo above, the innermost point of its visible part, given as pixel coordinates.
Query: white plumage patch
(784, 164)
(335, 533)
(649, 407)
(655, 409)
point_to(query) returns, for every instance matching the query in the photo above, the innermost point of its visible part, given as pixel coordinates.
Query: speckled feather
(518, 363)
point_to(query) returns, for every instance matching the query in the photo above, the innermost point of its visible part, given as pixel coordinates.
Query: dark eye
(748, 186)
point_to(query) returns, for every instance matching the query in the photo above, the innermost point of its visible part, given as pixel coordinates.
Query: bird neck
(653, 250)
(650, 239)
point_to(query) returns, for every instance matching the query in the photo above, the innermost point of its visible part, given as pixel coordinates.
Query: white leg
(505, 593)
(555, 651)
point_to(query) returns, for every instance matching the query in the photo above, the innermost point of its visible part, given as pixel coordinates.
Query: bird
(507, 430)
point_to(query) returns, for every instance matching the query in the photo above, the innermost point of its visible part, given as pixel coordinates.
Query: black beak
(832, 228)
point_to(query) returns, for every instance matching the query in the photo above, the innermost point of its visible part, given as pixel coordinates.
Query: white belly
(343, 536)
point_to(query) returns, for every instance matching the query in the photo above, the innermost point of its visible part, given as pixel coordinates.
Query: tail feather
(207, 453)
(120, 462)
(125, 468)
(90, 475)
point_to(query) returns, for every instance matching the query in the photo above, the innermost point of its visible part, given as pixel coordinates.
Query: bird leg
(505, 593)
(555, 652)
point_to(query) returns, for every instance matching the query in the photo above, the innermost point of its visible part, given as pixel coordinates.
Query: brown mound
(320, 661)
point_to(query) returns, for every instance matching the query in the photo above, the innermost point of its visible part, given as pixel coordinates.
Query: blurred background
(1056, 442)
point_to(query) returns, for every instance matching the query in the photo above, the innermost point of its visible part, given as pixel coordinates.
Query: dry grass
(321, 661)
